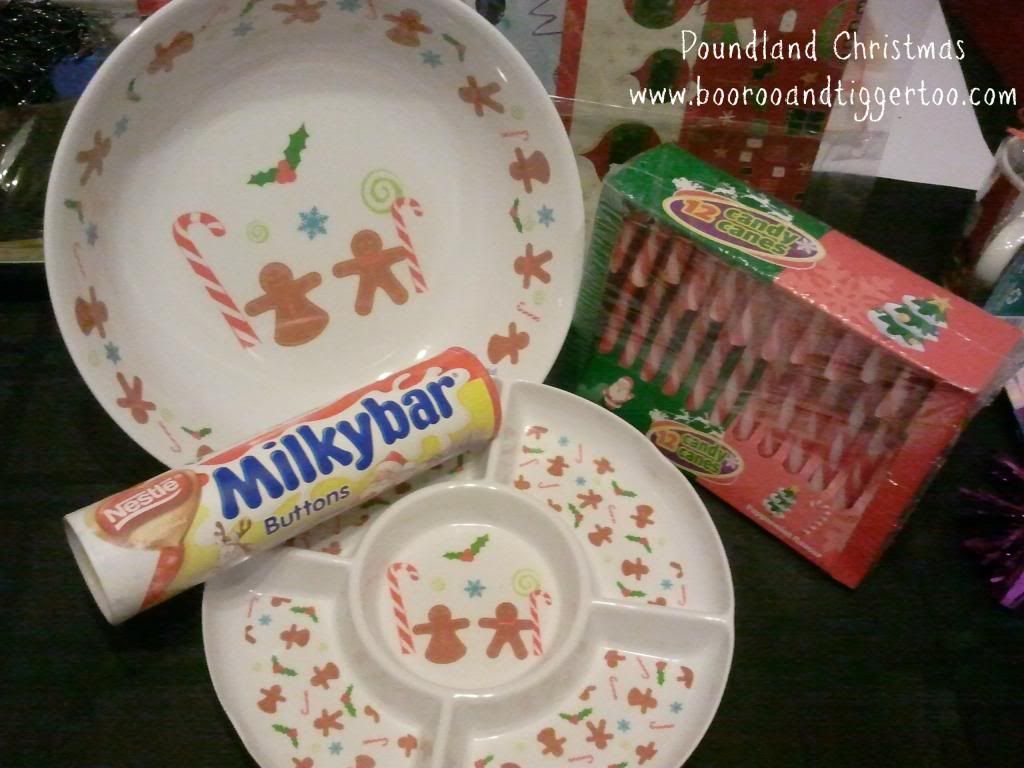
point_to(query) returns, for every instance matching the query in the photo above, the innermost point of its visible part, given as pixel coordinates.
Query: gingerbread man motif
(644, 516)
(530, 169)
(300, 10)
(322, 677)
(636, 567)
(92, 159)
(271, 698)
(601, 534)
(407, 29)
(91, 314)
(133, 401)
(553, 743)
(480, 96)
(499, 347)
(164, 55)
(297, 320)
(506, 625)
(445, 647)
(372, 263)
(599, 735)
(532, 266)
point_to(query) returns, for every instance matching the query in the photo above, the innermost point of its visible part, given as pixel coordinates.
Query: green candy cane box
(805, 379)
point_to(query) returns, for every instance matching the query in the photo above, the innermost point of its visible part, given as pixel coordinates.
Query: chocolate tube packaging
(150, 542)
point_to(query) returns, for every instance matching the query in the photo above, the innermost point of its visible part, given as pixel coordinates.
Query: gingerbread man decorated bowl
(258, 205)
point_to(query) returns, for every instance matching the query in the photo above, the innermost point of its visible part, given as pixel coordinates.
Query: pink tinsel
(1000, 548)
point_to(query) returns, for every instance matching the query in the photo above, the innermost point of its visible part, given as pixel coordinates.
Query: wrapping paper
(807, 380)
(150, 542)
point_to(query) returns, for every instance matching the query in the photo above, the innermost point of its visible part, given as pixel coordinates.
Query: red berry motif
(285, 173)
(467, 556)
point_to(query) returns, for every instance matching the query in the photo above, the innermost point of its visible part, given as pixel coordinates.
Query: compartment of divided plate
(560, 599)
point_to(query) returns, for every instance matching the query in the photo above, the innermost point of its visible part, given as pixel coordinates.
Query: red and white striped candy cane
(419, 283)
(535, 597)
(243, 331)
(398, 604)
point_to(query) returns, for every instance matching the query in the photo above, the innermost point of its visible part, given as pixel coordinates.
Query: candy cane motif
(535, 597)
(398, 604)
(415, 271)
(233, 316)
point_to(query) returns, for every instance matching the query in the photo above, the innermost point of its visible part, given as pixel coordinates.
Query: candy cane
(646, 675)
(521, 307)
(611, 684)
(252, 601)
(305, 705)
(384, 741)
(76, 250)
(233, 316)
(175, 445)
(656, 726)
(588, 759)
(535, 597)
(418, 282)
(398, 605)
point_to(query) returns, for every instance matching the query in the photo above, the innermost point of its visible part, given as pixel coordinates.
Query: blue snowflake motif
(121, 126)
(243, 29)
(265, 619)
(431, 58)
(563, 441)
(667, 584)
(545, 216)
(623, 726)
(474, 588)
(581, 481)
(113, 353)
(676, 707)
(313, 223)
(350, 5)
(335, 748)
(92, 233)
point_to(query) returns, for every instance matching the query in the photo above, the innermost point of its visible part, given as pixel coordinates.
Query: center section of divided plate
(481, 613)
(468, 587)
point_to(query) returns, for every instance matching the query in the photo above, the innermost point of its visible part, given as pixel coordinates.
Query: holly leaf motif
(296, 143)
(479, 544)
(287, 731)
(280, 669)
(580, 716)
(627, 592)
(642, 541)
(262, 178)
(346, 700)
(620, 491)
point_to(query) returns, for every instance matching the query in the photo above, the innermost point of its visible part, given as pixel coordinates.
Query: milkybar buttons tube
(143, 545)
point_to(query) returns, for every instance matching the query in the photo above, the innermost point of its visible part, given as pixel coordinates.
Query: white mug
(1007, 237)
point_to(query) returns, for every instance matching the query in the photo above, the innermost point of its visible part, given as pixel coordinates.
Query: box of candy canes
(805, 379)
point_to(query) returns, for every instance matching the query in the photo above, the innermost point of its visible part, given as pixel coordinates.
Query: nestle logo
(121, 513)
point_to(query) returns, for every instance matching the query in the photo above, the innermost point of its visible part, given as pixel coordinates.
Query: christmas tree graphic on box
(780, 502)
(913, 322)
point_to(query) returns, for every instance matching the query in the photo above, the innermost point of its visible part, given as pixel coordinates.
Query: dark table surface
(918, 667)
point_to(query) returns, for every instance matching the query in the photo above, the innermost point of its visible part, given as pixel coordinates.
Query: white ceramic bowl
(225, 245)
